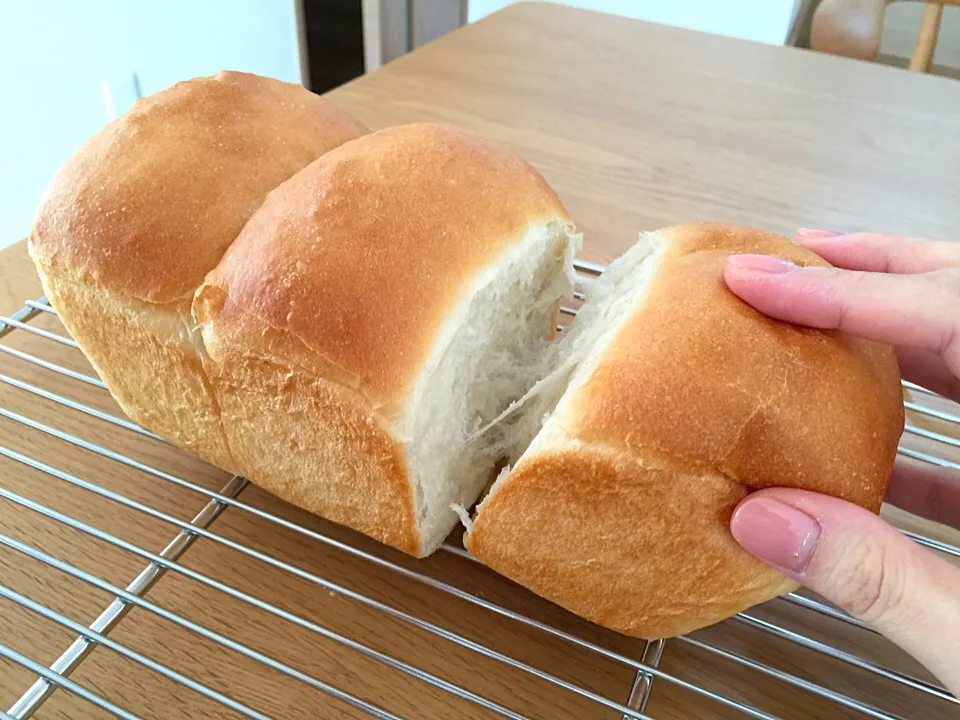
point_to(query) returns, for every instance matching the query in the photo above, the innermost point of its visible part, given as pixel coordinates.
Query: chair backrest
(854, 28)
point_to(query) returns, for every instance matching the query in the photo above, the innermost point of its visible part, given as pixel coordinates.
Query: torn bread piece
(673, 400)
(385, 303)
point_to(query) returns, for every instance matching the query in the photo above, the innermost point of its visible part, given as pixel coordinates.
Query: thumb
(854, 559)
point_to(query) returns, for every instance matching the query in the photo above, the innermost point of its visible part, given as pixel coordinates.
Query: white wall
(767, 21)
(54, 55)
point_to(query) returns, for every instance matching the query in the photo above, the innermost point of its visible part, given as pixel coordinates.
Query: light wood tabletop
(636, 126)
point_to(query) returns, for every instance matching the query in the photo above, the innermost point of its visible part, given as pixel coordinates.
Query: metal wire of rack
(644, 665)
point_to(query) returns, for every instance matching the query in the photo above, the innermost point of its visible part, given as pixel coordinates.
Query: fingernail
(761, 263)
(776, 533)
(812, 234)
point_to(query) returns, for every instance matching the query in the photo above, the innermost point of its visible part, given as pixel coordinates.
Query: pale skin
(906, 293)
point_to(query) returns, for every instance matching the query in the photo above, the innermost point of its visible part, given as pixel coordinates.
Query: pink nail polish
(776, 533)
(812, 234)
(761, 263)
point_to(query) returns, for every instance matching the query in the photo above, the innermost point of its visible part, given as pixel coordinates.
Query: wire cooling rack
(494, 650)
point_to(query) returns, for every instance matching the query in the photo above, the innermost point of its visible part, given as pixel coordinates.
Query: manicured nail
(761, 263)
(812, 234)
(776, 533)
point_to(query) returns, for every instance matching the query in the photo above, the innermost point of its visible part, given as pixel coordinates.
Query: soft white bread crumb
(609, 301)
(493, 349)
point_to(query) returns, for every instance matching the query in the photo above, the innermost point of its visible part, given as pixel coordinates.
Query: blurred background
(69, 67)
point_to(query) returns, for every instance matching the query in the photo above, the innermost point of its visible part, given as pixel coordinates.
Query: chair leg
(927, 38)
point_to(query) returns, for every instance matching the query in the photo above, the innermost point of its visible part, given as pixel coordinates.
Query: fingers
(926, 490)
(854, 559)
(872, 252)
(927, 370)
(914, 310)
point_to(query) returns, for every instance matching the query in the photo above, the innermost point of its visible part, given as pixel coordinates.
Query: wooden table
(637, 126)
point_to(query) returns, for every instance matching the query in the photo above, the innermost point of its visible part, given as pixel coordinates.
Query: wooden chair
(854, 28)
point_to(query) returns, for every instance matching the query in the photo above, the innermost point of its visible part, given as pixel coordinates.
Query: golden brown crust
(698, 375)
(359, 258)
(149, 364)
(149, 204)
(638, 545)
(696, 401)
(132, 223)
(313, 443)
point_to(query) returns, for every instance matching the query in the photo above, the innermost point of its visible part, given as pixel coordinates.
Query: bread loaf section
(684, 401)
(127, 230)
(383, 305)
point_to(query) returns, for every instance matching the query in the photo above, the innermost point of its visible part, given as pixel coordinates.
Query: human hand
(906, 293)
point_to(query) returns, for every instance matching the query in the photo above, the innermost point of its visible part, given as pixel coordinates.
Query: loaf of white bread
(363, 324)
